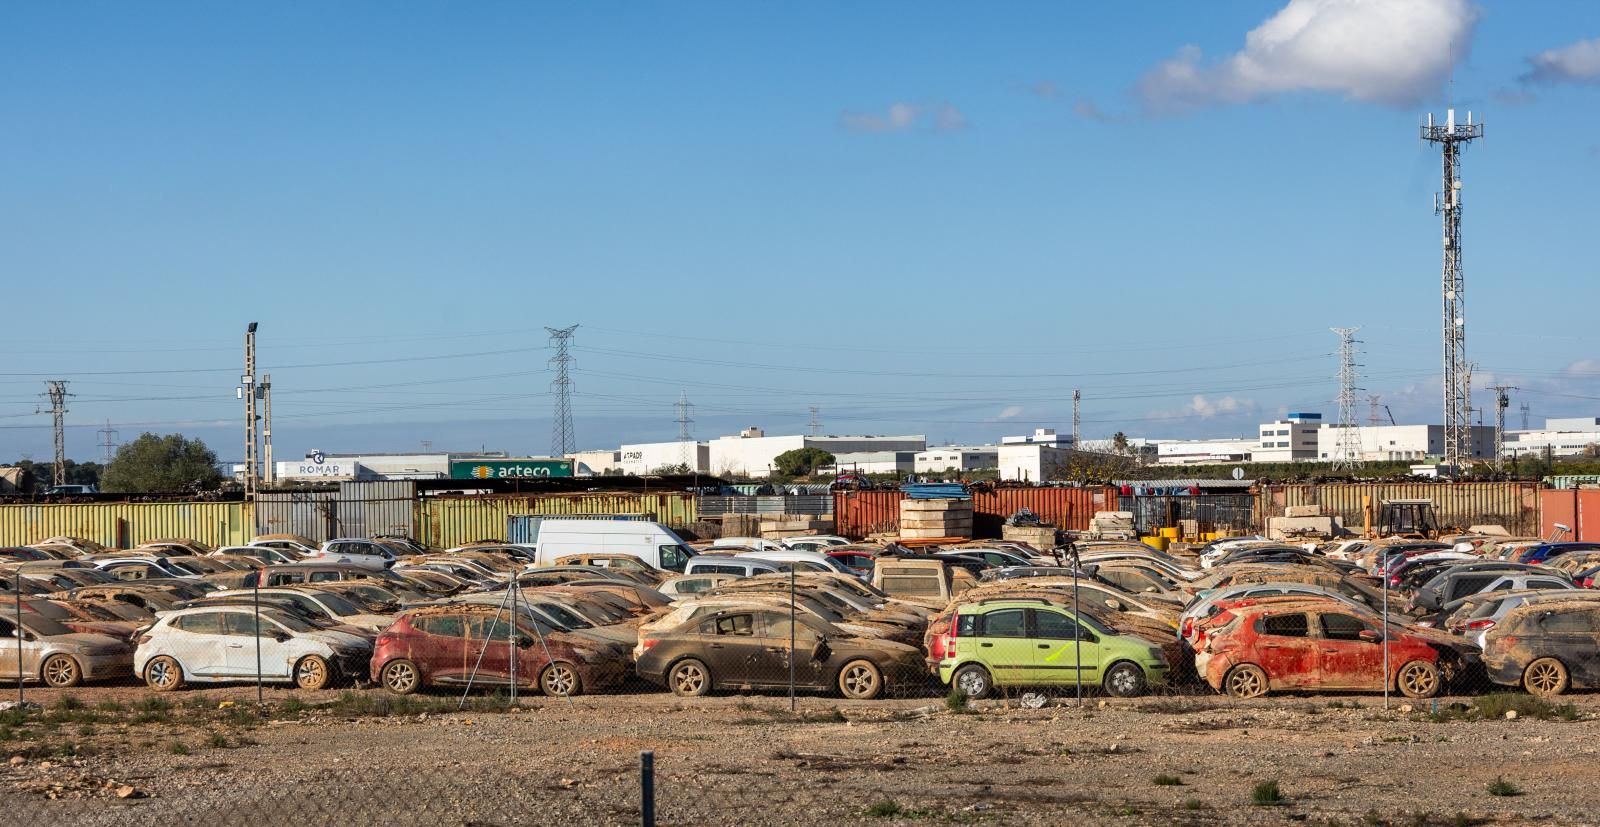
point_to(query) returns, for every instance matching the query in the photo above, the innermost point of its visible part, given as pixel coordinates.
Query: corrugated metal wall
(124, 525)
(368, 508)
(1514, 505)
(1576, 508)
(1215, 512)
(451, 521)
(859, 513)
(792, 504)
(307, 513)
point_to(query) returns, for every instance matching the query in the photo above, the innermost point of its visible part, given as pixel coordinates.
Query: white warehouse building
(946, 458)
(751, 452)
(1204, 451)
(651, 457)
(1559, 437)
(1400, 442)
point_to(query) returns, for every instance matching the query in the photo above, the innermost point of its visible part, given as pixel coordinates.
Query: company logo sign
(510, 469)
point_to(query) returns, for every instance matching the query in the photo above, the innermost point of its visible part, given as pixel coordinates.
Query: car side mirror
(1369, 636)
(523, 641)
(281, 637)
(820, 652)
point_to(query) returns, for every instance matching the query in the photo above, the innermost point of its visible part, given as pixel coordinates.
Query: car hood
(340, 639)
(626, 635)
(88, 642)
(364, 621)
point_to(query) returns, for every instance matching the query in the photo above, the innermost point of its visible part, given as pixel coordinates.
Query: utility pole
(1502, 400)
(56, 392)
(816, 424)
(563, 440)
(687, 451)
(1451, 138)
(1372, 410)
(108, 440)
(269, 471)
(247, 391)
(1350, 448)
(1077, 399)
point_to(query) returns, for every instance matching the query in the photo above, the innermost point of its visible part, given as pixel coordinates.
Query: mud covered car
(458, 643)
(58, 656)
(738, 647)
(1253, 647)
(1546, 647)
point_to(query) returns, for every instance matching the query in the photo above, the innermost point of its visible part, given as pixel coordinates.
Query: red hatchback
(1254, 647)
(455, 644)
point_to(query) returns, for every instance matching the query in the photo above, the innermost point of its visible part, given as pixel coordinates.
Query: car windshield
(565, 616)
(44, 626)
(337, 605)
(288, 621)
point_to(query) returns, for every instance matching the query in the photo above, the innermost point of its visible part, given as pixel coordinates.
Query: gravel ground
(739, 760)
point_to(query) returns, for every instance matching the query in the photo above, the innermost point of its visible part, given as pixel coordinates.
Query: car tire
(1546, 676)
(1418, 679)
(973, 681)
(400, 677)
(313, 672)
(560, 679)
(61, 671)
(163, 674)
(1124, 680)
(1246, 680)
(689, 678)
(860, 680)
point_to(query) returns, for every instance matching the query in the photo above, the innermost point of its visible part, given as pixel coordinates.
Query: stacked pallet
(779, 526)
(927, 519)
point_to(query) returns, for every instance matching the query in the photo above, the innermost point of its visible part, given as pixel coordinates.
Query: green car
(1035, 642)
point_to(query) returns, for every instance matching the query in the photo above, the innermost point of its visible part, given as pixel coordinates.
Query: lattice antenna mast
(1077, 400)
(1502, 400)
(1451, 138)
(1349, 453)
(108, 440)
(1372, 410)
(249, 391)
(56, 392)
(1525, 411)
(686, 447)
(816, 421)
(563, 440)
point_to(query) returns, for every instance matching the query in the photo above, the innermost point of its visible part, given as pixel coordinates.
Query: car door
(198, 643)
(11, 639)
(239, 647)
(775, 629)
(1004, 647)
(1344, 659)
(490, 644)
(736, 655)
(1285, 650)
(1064, 652)
(443, 647)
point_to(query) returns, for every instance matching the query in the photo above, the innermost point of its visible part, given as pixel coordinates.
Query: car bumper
(1503, 670)
(355, 666)
(105, 667)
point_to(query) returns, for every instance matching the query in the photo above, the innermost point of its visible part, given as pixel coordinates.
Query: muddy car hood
(89, 643)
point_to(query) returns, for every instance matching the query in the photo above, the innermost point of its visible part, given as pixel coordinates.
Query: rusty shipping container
(1514, 505)
(857, 514)
(1070, 509)
(124, 525)
(450, 521)
(1576, 508)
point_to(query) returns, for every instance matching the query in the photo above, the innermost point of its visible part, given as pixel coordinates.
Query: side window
(1055, 626)
(282, 578)
(7, 630)
(1004, 623)
(242, 623)
(735, 625)
(1546, 584)
(1568, 623)
(777, 627)
(1284, 625)
(1469, 585)
(486, 628)
(968, 626)
(324, 576)
(442, 625)
(207, 623)
(1341, 627)
(671, 557)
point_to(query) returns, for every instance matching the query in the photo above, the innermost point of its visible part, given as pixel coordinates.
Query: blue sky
(920, 218)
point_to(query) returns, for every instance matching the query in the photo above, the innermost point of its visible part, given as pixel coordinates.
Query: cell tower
(1372, 410)
(1502, 400)
(1451, 138)
(1348, 455)
(563, 440)
(816, 423)
(1077, 399)
(108, 441)
(56, 392)
(1525, 411)
(249, 391)
(687, 449)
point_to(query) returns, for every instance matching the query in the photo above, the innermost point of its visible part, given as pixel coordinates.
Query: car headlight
(1157, 654)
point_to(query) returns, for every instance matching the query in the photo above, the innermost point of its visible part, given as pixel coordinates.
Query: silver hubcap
(860, 680)
(59, 670)
(310, 671)
(401, 678)
(558, 680)
(1124, 680)
(689, 678)
(160, 673)
(972, 683)
(1245, 683)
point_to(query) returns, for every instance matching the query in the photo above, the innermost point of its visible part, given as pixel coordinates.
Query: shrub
(1266, 794)
(1502, 787)
(1167, 781)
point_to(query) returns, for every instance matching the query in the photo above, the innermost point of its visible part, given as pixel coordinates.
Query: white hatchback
(217, 644)
(368, 554)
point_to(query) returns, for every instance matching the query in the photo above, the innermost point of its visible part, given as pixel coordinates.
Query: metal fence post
(647, 788)
(1385, 579)
(21, 698)
(792, 620)
(1077, 635)
(261, 699)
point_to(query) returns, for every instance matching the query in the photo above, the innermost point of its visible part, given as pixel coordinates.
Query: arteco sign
(509, 469)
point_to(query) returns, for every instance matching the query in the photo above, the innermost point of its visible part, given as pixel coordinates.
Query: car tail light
(1479, 625)
(143, 639)
(1188, 627)
(647, 643)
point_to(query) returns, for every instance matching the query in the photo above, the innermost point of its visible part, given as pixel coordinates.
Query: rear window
(1573, 622)
(917, 582)
(1284, 625)
(1342, 627)
(207, 623)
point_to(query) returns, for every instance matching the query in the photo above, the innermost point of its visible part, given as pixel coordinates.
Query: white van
(651, 542)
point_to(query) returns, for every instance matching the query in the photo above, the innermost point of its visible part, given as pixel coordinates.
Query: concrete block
(1302, 511)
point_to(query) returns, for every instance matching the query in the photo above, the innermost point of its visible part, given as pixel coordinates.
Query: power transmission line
(688, 451)
(563, 439)
(56, 392)
(108, 441)
(1451, 138)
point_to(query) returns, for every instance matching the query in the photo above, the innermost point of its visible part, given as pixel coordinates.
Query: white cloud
(1587, 368)
(1382, 51)
(1010, 412)
(1206, 408)
(1044, 88)
(902, 115)
(1578, 61)
(1086, 108)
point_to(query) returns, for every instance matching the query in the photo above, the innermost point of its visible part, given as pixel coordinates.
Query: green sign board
(509, 469)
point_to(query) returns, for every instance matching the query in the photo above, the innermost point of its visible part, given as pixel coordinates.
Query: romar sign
(509, 469)
(317, 467)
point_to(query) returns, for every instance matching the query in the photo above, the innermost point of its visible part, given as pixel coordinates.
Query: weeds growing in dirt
(178, 748)
(1501, 787)
(956, 701)
(1167, 781)
(1266, 794)
(1193, 804)
(1495, 705)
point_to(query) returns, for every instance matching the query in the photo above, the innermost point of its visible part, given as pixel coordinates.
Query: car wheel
(973, 681)
(690, 678)
(313, 672)
(163, 674)
(1245, 681)
(1418, 679)
(400, 677)
(561, 678)
(1125, 680)
(61, 670)
(1546, 676)
(860, 680)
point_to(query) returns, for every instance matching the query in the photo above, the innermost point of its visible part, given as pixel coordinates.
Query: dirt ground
(112, 756)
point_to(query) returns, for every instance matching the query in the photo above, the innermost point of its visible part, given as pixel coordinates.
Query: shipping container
(857, 514)
(791, 504)
(1576, 508)
(1514, 505)
(125, 525)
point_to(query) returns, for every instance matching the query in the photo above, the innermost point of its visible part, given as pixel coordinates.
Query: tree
(78, 473)
(154, 463)
(1119, 443)
(801, 462)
